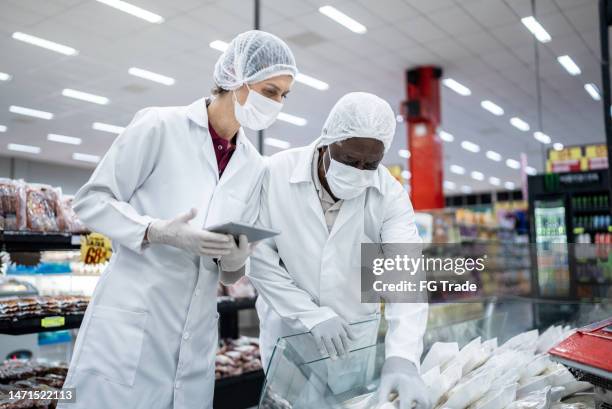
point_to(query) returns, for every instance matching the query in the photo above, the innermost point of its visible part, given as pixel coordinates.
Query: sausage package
(42, 208)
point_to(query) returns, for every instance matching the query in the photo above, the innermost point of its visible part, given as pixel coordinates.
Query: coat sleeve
(274, 283)
(103, 202)
(250, 216)
(407, 322)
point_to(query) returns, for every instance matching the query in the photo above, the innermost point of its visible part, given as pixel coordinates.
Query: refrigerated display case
(572, 208)
(298, 376)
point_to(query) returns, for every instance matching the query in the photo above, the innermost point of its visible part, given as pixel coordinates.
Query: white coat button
(186, 336)
(177, 385)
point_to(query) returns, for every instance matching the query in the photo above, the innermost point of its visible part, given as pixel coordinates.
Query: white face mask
(258, 112)
(346, 182)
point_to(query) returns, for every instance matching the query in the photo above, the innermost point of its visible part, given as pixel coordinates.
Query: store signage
(95, 249)
(552, 181)
(52, 322)
(577, 159)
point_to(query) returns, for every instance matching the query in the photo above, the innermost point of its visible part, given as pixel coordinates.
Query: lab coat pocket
(113, 344)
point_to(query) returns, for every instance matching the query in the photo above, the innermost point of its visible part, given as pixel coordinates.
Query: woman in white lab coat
(149, 336)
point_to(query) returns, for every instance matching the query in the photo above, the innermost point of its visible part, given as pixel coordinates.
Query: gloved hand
(178, 233)
(401, 376)
(333, 336)
(235, 260)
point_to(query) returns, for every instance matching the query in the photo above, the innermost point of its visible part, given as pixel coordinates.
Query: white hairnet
(359, 115)
(253, 56)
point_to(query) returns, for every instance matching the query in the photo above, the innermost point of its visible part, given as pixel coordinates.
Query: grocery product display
(436, 174)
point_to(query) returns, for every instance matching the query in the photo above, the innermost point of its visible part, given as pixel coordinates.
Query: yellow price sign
(52, 322)
(95, 249)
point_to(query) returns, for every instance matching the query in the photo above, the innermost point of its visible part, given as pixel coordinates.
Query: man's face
(360, 153)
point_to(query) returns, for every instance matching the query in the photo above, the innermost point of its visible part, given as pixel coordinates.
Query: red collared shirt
(223, 148)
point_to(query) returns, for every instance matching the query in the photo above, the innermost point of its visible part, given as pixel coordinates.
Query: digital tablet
(236, 229)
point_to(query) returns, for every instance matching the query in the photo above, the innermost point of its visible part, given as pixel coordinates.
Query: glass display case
(298, 376)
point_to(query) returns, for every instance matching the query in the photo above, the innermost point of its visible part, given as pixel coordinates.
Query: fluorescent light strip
(312, 82)
(30, 112)
(406, 174)
(342, 19)
(41, 42)
(519, 124)
(569, 65)
(466, 189)
(531, 171)
(70, 140)
(101, 126)
(133, 10)
(536, 29)
(84, 157)
(459, 170)
(494, 181)
(542, 137)
(2, 128)
(277, 143)
(494, 156)
(558, 146)
(457, 87)
(470, 146)
(445, 136)
(218, 45)
(593, 91)
(404, 153)
(151, 76)
(450, 185)
(492, 107)
(514, 164)
(16, 147)
(5, 77)
(85, 96)
(509, 185)
(292, 119)
(477, 175)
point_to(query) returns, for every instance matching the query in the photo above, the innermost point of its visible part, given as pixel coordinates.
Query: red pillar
(422, 112)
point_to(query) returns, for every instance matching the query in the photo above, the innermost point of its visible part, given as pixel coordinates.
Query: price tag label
(95, 249)
(52, 322)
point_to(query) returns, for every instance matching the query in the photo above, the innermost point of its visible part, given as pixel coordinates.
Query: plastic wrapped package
(42, 208)
(12, 205)
(535, 367)
(67, 218)
(537, 400)
(439, 354)
(496, 398)
(465, 393)
(525, 341)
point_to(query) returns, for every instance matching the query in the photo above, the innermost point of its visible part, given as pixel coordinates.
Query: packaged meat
(439, 354)
(241, 289)
(465, 393)
(12, 205)
(67, 218)
(42, 208)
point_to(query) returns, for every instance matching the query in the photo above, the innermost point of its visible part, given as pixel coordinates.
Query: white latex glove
(333, 336)
(238, 255)
(180, 234)
(401, 376)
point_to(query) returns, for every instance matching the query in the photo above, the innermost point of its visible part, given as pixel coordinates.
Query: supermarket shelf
(249, 386)
(30, 241)
(40, 324)
(596, 211)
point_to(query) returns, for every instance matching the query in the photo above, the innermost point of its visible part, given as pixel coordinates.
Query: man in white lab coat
(149, 337)
(326, 199)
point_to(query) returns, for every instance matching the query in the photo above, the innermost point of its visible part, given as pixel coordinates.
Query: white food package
(537, 400)
(465, 393)
(535, 367)
(439, 354)
(525, 341)
(496, 398)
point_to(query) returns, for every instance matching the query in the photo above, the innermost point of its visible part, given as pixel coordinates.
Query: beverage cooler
(571, 234)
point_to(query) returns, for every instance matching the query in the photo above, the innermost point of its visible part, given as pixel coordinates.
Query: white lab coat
(307, 274)
(149, 336)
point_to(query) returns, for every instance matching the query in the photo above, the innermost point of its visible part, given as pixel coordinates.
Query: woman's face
(275, 88)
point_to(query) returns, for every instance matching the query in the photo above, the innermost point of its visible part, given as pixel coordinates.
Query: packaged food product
(12, 205)
(242, 289)
(439, 354)
(42, 208)
(67, 218)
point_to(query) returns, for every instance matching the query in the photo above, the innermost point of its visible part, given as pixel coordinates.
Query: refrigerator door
(553, 278)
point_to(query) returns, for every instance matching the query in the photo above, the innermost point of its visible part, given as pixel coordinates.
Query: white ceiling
(480, 43)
